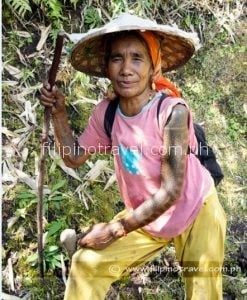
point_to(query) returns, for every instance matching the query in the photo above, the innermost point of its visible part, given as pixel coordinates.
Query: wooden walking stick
(44, 141)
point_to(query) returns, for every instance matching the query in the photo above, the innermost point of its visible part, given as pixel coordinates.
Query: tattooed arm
(175, 137)
(72, 154)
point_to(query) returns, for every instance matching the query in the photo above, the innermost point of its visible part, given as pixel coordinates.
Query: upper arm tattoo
(175, 144)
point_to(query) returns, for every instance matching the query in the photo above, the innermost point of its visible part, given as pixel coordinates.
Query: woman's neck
(132, 106)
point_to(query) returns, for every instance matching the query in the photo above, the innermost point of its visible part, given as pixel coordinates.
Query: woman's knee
(87, 259)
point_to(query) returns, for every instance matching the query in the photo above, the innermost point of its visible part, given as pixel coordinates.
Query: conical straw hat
(88, 54)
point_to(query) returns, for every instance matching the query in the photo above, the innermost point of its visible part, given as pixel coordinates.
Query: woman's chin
(127, 93)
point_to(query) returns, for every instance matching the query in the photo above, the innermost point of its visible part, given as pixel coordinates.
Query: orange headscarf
(161, 82)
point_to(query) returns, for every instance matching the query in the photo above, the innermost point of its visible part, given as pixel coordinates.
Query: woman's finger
(45, 92)
(54, 89)
(45, 103)
(49, 99)
(46, 85)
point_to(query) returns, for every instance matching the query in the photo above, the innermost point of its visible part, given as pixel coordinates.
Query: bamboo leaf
(11, 221)
(11, 275)
(96, 170)
(23, 177)
(110, 181)
(44, 35)
(13, 71)
(58, 160)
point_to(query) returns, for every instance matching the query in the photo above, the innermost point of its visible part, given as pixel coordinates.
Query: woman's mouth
(126, 84)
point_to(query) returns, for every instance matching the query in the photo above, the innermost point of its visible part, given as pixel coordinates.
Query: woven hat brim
(177, 46)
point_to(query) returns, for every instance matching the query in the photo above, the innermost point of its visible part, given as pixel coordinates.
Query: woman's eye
(116, 59)
(137, 59)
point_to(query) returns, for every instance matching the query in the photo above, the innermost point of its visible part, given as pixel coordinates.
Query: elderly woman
(169, 196)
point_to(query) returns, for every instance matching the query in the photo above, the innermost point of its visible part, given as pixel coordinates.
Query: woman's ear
(151, 77)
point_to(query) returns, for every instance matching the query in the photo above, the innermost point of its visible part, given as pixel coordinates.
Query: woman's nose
(126, 68)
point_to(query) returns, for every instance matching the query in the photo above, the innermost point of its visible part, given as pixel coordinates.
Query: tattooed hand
(52, 98)
(102, 235)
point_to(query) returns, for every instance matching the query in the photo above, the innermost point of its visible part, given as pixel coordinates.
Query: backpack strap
(110, 116)
(207, 156)
(163, 97)
(111, 111)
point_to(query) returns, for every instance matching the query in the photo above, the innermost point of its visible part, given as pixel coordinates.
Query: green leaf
(57, 263)
(57, 205)
(57, 198)
(92, 17)
(21, 212)
(51, 249)
(33, 258)
(53, 168)
(188, 20)
(57, 186)
(52, 265)
(45, 206)
(54, 227)
(26, 195)
(21, 7)
(57, 257)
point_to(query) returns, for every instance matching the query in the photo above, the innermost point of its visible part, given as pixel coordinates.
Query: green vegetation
(213, 83)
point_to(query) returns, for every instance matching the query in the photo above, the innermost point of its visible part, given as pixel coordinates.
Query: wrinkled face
(129, 67)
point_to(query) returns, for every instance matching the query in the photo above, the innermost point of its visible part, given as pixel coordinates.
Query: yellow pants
(199, 249)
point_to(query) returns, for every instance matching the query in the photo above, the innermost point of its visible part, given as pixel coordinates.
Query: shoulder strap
(207, 156)
(163, 97)
(111, 111)
(110, 115)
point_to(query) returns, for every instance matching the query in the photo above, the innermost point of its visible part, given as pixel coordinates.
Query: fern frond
(54, 9)
(21, 7)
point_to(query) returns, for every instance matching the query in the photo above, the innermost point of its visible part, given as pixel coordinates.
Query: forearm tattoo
(66, 144)
(173, 164)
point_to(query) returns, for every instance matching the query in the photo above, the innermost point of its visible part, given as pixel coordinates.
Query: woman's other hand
(52, 98)
(102, 235)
